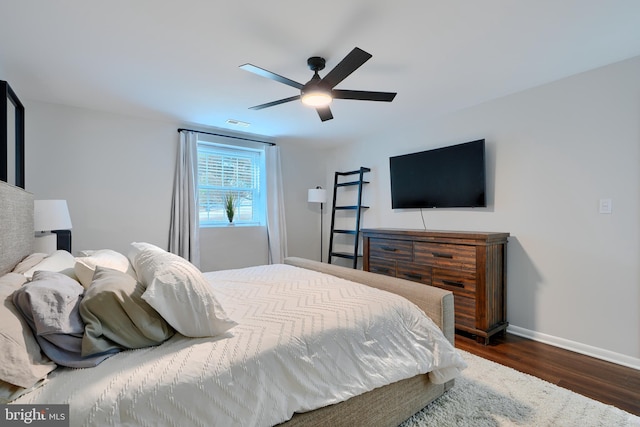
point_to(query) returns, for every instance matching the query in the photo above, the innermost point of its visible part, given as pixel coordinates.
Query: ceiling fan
(319, 92)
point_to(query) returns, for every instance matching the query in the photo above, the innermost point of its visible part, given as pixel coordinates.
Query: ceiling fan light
(316, 99)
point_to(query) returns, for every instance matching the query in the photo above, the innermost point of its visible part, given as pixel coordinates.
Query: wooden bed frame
(386, 406)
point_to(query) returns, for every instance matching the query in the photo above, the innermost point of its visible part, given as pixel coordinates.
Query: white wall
(553, 152)
(222, 248)
(116, 172)
(303, 167)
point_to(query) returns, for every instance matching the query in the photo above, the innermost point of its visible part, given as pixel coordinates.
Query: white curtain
(184, 231)
(276, 230)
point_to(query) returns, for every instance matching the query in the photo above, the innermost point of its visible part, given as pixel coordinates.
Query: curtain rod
(228, 136)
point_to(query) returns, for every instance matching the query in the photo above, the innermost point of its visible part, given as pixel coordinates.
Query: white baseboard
(577, 347)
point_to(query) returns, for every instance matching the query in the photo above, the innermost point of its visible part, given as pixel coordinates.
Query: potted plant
(230, 206)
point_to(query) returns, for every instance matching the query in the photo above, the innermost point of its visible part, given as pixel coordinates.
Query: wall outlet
(606, 206)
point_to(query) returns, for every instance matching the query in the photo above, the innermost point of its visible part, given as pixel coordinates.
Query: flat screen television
(447, 177)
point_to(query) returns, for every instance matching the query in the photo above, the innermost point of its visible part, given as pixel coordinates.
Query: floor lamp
(318, 195)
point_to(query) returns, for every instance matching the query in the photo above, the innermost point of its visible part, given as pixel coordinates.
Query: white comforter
(304, 340)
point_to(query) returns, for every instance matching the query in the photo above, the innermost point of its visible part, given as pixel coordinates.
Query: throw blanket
(304, 340)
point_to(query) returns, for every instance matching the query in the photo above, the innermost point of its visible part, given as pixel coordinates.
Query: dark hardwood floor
(603, 381)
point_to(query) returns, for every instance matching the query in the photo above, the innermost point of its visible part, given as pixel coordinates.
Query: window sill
(243, 225)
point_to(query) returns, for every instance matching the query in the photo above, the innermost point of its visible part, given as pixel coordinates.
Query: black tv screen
(448, 177)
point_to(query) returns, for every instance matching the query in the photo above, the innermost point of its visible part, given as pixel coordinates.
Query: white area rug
(489, 394)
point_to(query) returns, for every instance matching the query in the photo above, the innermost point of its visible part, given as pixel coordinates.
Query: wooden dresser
(471, 264)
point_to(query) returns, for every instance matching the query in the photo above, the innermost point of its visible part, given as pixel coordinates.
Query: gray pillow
(49, 304)
(116, 316)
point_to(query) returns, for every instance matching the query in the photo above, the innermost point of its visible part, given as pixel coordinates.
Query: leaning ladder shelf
(357, 209)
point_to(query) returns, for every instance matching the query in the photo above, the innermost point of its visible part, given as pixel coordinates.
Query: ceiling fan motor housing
(314, 84)
(315, 92)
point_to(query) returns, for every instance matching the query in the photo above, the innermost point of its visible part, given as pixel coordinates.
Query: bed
(288, 355)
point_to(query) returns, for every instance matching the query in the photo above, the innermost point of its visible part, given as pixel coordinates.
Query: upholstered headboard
(16, 226)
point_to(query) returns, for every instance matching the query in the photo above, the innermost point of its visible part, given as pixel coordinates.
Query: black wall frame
(18, 158)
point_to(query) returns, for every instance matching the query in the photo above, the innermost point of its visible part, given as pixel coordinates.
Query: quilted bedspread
(304, 340)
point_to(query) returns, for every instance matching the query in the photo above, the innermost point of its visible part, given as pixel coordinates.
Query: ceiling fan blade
(278, 102)
(363, 95)
(324, 113)
(273, 76)
(348, 65)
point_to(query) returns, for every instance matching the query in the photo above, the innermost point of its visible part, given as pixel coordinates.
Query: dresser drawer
(382, 266)
(459, 282)
(415, 272)
(401, 250)
(465, 311)
(458, 257)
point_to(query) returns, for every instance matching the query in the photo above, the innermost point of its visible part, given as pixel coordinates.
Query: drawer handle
(439, 255)
(383, 270)
(452, 283)
(388, 248)
(414, 276)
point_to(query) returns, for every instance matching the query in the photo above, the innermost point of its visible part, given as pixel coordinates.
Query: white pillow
(86, 266)
(60, 261)
(28, 262)
(135, 249)
(179, 292)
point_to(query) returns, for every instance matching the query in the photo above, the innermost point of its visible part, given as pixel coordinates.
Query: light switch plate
(606, 206)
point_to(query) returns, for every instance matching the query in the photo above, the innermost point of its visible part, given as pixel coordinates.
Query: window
(229, 169)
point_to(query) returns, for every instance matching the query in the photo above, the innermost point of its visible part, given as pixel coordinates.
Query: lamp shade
(51, 215)
(317, 195)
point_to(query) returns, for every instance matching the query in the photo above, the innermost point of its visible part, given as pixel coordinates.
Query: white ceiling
(179, 60)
